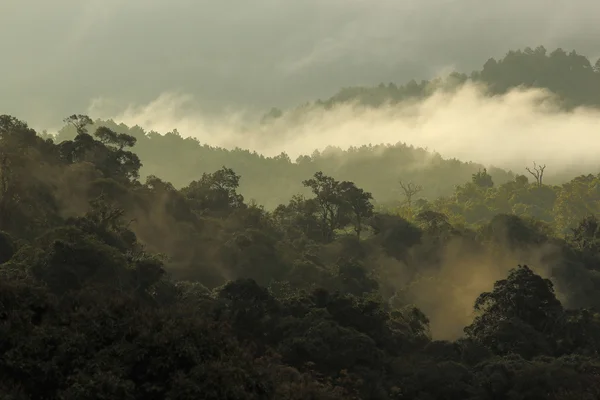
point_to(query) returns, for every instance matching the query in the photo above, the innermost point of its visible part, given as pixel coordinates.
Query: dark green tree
(483, 179)
(333, 211)
(359, 204)
(215, 192)
(519, 315)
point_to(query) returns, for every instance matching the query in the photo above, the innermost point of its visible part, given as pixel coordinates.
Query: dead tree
(537, 173)
(410, 189)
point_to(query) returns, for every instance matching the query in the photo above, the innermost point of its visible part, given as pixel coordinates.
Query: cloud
(507, 131)
(447, 295)
(261, 53)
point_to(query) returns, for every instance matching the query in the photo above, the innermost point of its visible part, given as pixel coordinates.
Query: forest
(571, 77)
(140, 265)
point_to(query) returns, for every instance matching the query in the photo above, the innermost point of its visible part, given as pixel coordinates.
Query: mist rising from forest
(508, 131)
(447, 294)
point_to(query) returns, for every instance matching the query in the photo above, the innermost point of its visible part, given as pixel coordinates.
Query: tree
(108, 153)
(434, 221)
(522, 305)
(122, 162)
(26, 200)
(585, 238)
(355, 278)
(300, 219)
(216, 192)
(359, 204)
(586, 235)
(537, 173)
(119, 140)
(331, 204)
(483, 179)
(521, 180)
(410, 189)
(339, 203)
(80, 122)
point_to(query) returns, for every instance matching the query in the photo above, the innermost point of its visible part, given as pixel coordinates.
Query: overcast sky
(58, 55)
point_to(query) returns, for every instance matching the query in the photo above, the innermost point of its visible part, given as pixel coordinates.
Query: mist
(447, 295)
(509, 131)
(62, 54)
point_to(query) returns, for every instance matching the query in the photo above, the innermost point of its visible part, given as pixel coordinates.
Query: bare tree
(410, 189)
(537, 173)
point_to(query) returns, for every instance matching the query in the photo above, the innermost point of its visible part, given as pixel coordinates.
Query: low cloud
(508, 131)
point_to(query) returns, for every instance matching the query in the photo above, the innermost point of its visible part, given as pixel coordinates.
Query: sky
(60, 56)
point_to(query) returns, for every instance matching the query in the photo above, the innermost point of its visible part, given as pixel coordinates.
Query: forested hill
(379, 167)
(274, 180)
(116, 288)
(571, 76)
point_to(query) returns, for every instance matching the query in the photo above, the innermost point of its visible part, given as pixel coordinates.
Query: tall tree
(216, 192)
(522, 305)
(331, 204)
(359, 204)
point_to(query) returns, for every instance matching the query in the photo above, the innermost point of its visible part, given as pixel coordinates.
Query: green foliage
(339, 204)
(483, 179)
(215, 192)
(112, 287)
(180, 160)
(518, 316)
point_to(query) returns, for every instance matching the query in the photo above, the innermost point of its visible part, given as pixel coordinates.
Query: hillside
(180, 160)
(114, 287)
(136, 265)
(571, 76)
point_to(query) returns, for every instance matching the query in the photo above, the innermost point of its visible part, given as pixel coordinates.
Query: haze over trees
(178, 159)
(572, 76)
(319, 279)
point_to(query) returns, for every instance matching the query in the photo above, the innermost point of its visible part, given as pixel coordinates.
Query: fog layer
(508, 131)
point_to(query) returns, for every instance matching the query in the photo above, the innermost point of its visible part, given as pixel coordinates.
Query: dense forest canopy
(460, 283)
(179, 160)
